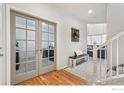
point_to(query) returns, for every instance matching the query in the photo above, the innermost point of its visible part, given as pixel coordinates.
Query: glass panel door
(24, 39)
(47, 46)
(32, 47)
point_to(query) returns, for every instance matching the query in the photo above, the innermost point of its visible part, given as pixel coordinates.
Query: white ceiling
(80, 10)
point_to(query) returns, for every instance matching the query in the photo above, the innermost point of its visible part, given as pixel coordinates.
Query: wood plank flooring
(60, 77)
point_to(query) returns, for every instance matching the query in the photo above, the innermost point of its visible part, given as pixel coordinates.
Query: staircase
(109, 68)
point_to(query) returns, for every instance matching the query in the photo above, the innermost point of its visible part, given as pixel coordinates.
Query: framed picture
(75, 35)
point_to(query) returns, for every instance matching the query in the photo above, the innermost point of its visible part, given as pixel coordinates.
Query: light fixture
(90, 11)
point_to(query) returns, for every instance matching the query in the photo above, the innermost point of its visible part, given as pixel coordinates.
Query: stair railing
(103, 68)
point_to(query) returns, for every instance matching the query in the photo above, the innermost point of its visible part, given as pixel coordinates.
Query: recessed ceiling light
(90, 11)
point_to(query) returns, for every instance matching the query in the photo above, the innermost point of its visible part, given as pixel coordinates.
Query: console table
(77, 60)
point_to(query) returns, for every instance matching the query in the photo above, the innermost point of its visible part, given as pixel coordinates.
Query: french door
(47, 47)
(32, 47)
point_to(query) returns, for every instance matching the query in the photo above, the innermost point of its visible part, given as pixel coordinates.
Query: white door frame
(1, 44)
(6, 17)
(5, 46)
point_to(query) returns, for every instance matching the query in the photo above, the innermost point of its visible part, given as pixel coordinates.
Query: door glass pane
(44, 27)
(51, 28)
(20, 68)
(45, 62)
(30, 45)
(31, 56)
(20, 57)
(22, 54)
(21, 45)
(51, 49)
(45, 36)
(51, 45)
(31, 24)
(31, 66)
(45, 45)
(48, 44)
(51, 53)
(30, 35)
(21, 34)
(20, 22)
(45, 53)
(51, 61)
(51, 37)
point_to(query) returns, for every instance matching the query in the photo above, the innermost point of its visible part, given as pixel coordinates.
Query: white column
(105, 62)
(95, 62)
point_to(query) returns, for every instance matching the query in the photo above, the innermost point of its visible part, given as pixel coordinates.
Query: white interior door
(32, 47)
(24, 47)
(47, 46)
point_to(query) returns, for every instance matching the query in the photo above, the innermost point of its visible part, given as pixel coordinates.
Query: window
(96, 33)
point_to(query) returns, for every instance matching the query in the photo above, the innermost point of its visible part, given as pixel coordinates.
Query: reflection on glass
(51, 45)
(51, 28)
(21, 34)
(21, 45)
(31, 55)
(51, 37)
(51, 53)
(51, 61)
(20, 22)
(45, 53)
(31, 66)
(30, 35)
(45, 45)
(30, 45)
(45, 36)
(31, 24)
(20, 68)
(20, 57)
(44, 27)
(45, 62)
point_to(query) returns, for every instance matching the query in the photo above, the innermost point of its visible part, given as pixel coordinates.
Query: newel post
(94, 62)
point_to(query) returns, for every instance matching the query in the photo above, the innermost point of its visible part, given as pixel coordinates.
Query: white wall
(115, 24)
(65, 46)
(0, 43)
(115, 19)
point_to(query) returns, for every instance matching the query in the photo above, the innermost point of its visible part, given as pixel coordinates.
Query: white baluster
(110, 59)
(117, 57)
(100, 63)
(105, 62)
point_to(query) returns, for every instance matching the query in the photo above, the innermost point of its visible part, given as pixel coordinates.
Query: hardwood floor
(60, 77)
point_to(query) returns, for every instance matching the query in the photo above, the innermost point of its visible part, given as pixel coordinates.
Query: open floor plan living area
(61, 44)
